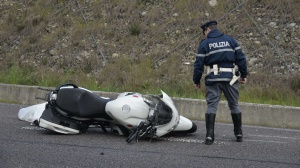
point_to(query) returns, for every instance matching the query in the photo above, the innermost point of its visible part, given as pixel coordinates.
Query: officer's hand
(198, 85)
(243, 80)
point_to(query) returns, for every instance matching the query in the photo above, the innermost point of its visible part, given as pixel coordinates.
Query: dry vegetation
(147, 45)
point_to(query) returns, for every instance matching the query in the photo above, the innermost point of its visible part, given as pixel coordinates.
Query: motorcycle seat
(82, 103)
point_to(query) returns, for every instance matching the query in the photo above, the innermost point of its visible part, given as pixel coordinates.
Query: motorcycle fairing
(164, 115)
(31, 113)
(128, 109)
(184, 124)
(179, 122)
(166, 128)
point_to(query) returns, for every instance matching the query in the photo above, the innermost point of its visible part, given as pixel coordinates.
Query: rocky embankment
(89, 34)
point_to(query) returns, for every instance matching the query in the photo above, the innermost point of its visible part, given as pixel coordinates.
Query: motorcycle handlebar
(140, 130)
(135, 132)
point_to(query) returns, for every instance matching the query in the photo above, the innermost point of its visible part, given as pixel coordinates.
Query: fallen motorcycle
(70, 109)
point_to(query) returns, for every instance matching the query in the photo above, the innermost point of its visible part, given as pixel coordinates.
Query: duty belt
(216, 70)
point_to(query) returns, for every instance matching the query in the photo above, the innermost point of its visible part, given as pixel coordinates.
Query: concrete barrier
(253, 114)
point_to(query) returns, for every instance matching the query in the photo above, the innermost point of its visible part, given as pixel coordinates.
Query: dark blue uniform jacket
(219, 49)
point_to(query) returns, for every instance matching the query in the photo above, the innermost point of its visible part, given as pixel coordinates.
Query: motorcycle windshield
(168, 116)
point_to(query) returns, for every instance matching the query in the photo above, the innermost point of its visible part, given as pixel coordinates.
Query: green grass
(178, 88)
(272, 96)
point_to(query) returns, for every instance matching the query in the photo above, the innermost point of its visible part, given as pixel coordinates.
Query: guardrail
(253, 114)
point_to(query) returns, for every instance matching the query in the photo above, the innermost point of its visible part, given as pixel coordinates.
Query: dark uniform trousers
(231, 93)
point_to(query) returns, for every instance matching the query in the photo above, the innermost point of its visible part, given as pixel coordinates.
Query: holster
(236, 75)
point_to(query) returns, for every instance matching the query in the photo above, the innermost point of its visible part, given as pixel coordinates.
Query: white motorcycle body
(130, 108)
(127, 110)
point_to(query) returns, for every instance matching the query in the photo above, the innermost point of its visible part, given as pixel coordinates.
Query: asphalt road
(25, 145)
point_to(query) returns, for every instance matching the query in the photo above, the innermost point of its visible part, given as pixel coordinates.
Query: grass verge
(184, 88)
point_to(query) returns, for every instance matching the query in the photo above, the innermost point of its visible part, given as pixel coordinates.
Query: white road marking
(33, 128)
(181, 140)
(187, 140)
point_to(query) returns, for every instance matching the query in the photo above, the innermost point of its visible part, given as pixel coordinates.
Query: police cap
(205, 25)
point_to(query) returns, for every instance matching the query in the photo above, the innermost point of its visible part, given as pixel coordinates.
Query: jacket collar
(214, 33)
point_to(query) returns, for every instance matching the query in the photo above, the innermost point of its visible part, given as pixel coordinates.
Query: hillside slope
(121, 37)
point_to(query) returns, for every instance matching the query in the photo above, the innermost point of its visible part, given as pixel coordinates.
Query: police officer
(221, 54)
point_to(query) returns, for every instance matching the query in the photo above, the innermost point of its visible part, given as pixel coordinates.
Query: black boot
(210, 125)
(237, 122)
